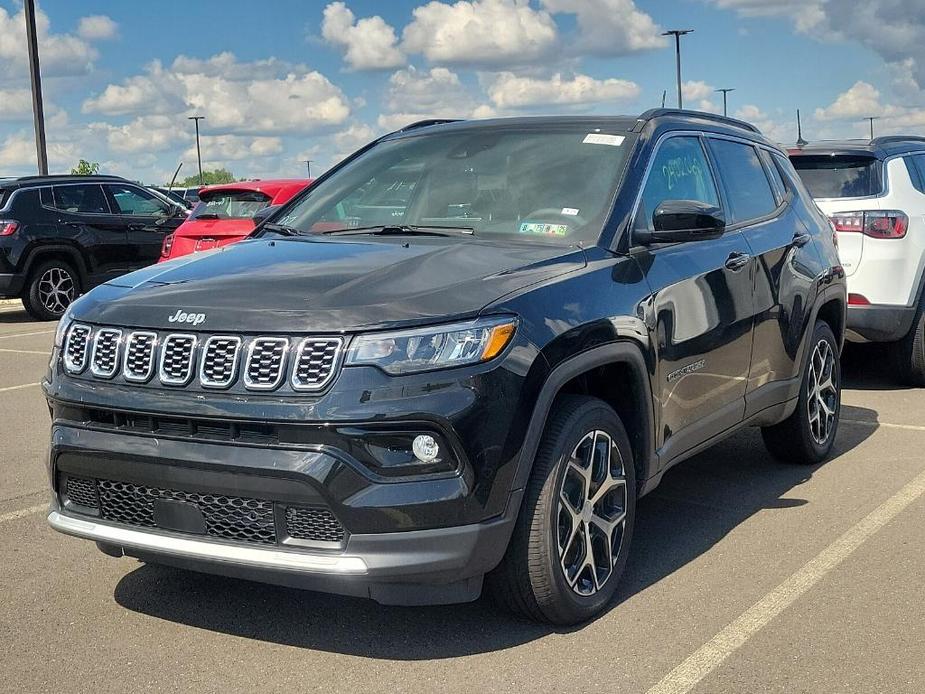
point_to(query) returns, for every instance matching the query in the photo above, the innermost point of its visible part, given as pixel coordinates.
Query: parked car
(174, 196)
(62, 235)
(562, 309)
(874, 194)
(224, 214)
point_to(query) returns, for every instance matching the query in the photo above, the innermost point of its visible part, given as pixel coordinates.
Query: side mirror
(683, 220)
(264, 213)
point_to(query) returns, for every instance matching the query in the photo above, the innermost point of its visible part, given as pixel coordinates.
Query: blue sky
(283, 81)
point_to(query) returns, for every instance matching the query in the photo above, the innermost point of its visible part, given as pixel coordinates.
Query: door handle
(136, 226)
(800, 240)
(67, 223)
(736, 261)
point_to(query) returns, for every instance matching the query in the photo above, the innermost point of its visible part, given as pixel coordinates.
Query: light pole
(872, 119)
(196, 120)
(35, 74)
(678, 33)
(308, 163)
(725, 92)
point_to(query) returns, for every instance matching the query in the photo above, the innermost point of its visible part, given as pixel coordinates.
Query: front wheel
(807, 435)
(573, 533)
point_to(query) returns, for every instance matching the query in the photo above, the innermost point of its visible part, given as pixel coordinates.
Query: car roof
(268, 186)
(879, 147)
(30, 181)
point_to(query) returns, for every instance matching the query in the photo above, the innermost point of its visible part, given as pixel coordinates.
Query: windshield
(230, 204)
(554, 185)
(829, 176)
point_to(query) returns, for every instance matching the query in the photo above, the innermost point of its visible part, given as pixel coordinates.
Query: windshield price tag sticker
(540, 228)
(571, 211)
(603, 139)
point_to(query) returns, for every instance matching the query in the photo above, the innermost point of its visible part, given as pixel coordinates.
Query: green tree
(85, 168)
(209, 178)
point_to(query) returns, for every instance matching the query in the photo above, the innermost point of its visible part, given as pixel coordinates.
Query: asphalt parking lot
(745, 575)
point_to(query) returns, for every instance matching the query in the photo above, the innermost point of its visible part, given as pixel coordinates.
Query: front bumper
(879, 322)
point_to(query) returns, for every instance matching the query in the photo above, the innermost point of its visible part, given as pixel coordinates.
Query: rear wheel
(910, 351)
(573, 533)
(807, 435)
(50, 289)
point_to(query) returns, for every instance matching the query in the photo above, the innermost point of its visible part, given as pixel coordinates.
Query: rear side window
(747, 186)
(230, 204)
(916, 166)
(81, 199)
(680, 171)
(828, 176)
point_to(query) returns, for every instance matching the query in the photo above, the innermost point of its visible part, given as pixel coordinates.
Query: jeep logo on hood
(184, 317)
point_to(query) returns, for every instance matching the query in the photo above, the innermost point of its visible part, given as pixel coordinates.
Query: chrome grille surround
(178, 359)
(76, 347)
(138, 362)
(104, 359)
(315, 363)
(219, 363)
(265, 362)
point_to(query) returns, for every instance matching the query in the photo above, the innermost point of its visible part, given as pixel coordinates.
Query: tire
(535, 579)
(806, 437)
(910, 351)
(50, 289)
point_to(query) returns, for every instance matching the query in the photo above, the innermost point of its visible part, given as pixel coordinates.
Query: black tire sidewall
(31, 299)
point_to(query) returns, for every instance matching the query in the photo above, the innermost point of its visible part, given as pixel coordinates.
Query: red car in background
(224, 214)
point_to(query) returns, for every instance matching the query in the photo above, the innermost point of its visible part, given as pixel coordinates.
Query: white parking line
(712, 654)
(888, 425)
(25, 351)
(24, 385)
(39, 332)
(22, 513)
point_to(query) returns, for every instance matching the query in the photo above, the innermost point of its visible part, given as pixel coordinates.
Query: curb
(8, 302)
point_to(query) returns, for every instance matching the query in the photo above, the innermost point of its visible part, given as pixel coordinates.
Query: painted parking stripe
(24, 351)
(24, 385)
(22, 513)
(39, 332)
(711, 655)
(888, 425)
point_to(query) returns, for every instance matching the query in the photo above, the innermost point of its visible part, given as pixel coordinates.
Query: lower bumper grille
(236, 518)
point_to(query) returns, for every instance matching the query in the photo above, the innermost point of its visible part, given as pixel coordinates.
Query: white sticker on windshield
(571, 211)
(603, 139)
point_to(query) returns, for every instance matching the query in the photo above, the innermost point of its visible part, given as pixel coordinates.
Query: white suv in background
(874, 194)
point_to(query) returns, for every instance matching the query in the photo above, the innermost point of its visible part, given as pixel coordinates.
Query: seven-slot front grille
(260, 363)
(105, 358)
(139, 356)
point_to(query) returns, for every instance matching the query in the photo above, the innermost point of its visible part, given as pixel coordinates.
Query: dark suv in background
(477, 379)
(63, 235)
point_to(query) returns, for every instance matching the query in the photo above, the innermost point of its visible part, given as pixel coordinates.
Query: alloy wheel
(56, 289)
(591, 513)
(822, 395)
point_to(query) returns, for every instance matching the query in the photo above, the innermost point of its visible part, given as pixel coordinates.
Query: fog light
(425, 449)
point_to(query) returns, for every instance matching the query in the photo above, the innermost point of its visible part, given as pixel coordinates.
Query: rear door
(147, 220)
(702, 301)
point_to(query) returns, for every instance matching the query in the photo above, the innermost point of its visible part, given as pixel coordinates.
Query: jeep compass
(458, 359)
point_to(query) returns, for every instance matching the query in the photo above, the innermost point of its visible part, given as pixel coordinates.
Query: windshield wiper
(282, 229)
(404, 229)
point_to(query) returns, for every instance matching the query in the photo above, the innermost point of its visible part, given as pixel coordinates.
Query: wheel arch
(57, 252)
(617, 374)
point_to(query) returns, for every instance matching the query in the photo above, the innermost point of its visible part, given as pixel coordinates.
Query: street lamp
(196, 120)
(725, 91)
(678, 33)
(35, 74)
(308, 163)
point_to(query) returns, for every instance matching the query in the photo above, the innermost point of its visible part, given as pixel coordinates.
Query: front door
(147, 219)
(701, 307)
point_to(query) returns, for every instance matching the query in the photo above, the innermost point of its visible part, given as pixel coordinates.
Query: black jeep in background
(63, 235)
(462, 354)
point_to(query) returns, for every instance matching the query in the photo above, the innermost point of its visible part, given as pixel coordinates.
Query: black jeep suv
(464, 353)
(62, 235)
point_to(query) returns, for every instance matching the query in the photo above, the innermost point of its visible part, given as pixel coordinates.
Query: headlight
(63, 324)
(434, 347)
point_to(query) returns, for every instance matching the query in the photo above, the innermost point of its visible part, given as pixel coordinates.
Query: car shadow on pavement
(697, 504)
(12, 314)
(870, 367)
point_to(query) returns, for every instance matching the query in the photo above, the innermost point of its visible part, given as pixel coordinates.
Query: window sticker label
(541, 228)
(571, 211)
(603, 139)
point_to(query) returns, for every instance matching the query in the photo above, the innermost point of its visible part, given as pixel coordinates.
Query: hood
(327, 284)
(214, 228)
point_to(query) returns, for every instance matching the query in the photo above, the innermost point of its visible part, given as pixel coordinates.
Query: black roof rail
(886, 139)
(427, 122)
(79, 177)
(703, 115)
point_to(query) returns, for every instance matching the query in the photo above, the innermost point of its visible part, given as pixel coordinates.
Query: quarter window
(747, 186)
(680, 171)
(81, 199)
(134, 201)
(916, 166)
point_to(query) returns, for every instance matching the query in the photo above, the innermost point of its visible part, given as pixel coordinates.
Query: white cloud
(847, 114)
(158, 91)
(97, 27)
(223, 148)
(769, 127)
(699, 95)
(155, 133)
(860, 101)
(418, 94)
(17, 154)
(609, 27)
(480, 32)
(15, 104)
(61, 54)
(368, 44)
(513, 91)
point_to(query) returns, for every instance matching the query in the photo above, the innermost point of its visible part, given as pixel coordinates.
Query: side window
(81, 199)
(777, 182)
(916, 166)
(680, 171)
(747, 186)
(135, 201)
